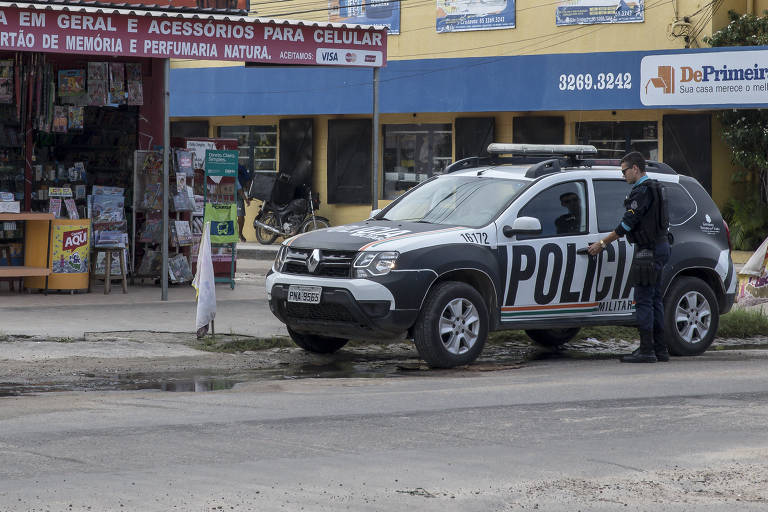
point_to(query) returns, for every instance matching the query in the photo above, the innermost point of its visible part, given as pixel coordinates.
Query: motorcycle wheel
(319, 223)
(264, 236)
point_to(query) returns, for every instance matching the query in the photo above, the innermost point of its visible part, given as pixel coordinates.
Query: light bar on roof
(498, 148)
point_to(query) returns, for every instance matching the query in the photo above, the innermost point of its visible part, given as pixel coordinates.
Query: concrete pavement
(243, 310)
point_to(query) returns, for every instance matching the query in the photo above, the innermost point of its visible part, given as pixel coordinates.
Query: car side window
(679, 202)
(562, 210)
(609, 197)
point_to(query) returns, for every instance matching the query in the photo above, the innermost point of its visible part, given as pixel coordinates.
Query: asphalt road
(560, 434)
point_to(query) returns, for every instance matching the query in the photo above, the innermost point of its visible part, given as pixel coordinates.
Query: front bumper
(348, 308)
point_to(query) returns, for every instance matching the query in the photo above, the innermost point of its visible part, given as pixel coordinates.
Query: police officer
(646, 225)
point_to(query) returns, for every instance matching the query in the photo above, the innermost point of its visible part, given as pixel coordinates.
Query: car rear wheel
(315, 343)
(691, 317)
(453, 325)
(552, 337)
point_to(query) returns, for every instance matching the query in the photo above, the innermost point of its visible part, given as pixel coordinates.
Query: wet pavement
(354, 361)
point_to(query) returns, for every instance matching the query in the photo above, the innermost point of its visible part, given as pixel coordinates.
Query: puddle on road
(354, 362)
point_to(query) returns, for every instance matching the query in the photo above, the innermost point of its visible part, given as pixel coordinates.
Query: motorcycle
(296, 216)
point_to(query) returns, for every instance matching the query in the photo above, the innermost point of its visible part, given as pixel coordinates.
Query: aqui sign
(715, 78)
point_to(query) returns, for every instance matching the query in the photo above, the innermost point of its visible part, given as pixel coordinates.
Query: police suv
(498, 243)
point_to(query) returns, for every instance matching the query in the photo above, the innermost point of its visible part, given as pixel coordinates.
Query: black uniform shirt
(637, 203)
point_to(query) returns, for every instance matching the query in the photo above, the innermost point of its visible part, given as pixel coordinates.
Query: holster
(643, 271)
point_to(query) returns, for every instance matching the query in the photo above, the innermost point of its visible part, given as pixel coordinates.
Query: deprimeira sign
(717, 78)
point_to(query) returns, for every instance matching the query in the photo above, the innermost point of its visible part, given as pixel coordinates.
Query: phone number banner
(590, 12)
(163, 37)
(464, 15)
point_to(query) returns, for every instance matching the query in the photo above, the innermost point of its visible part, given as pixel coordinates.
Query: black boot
(645, 353)
(660, 346)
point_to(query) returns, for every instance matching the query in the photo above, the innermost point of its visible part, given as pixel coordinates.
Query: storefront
(83, 97)
(436, 110)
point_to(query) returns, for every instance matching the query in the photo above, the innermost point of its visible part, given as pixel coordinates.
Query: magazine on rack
(152, 199)
(152, 233)
(151, 264)
(107, 208)
(179, 270)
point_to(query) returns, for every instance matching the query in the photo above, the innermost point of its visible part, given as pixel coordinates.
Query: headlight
(280, 258)
(369, 264)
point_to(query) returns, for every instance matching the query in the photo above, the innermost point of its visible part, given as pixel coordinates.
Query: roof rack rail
(658, 167)
(467, 163)
(543, 168)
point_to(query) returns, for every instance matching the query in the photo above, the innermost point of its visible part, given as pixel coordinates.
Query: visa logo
(329, 57)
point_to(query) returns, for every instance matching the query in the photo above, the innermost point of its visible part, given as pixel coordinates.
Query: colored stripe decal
(409, 235)
(549, 307)
(558, 312)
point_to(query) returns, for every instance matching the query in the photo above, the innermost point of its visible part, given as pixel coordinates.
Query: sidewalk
(243, 310)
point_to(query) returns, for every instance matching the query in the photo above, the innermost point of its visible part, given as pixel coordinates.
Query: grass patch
(741, 323)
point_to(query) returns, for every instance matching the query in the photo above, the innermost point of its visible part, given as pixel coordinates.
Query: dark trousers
(648, 299)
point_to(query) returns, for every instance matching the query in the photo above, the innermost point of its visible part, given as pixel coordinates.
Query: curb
(257, 253)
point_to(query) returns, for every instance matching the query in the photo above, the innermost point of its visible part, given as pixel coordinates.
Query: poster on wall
(366, 12)
(589, 12)
(70, 249)
(464, 15)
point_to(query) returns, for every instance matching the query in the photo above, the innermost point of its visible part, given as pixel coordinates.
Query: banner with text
(130, 35)
(718, 78)
(367, 12)
(464, 15)
(590, 12)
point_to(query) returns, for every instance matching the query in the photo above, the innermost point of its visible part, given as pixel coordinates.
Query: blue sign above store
(584, 81)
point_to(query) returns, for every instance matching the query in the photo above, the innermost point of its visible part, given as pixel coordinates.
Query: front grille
(324, 312)
(332, 263)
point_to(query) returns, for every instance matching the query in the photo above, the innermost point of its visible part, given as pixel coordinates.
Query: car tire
(552, 337)
(316, 344)
(691, 317)
(452, 326)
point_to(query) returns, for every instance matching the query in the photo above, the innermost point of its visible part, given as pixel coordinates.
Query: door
(613, 294)
(688, 146)
(548, 274)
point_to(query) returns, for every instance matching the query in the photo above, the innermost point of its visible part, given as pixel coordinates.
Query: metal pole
(375, 165)
(166, 143)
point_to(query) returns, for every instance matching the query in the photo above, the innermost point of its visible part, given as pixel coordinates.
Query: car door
(613, 294)
(548, 273)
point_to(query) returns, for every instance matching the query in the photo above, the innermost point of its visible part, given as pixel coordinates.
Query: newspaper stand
(219, 192)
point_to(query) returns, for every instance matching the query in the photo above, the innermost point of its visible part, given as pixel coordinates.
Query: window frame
(584, 183)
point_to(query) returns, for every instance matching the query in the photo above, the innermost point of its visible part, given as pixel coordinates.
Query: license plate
(305, 294)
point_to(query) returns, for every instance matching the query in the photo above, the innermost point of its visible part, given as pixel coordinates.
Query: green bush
(748, 222)
(742, 323)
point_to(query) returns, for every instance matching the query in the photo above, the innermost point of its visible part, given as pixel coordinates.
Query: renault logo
(314, 260)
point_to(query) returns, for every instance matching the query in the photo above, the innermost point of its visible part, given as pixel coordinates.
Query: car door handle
(584, 249)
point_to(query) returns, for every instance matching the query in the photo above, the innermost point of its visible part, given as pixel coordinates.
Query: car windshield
(471, 201)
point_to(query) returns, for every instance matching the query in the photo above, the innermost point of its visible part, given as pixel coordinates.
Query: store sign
(161, 37)
(717, 78)
(70, 249)
(221, 162)
(59, 192)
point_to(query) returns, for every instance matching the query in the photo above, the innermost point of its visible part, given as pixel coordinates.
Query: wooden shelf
(26, 216)
(22, 271)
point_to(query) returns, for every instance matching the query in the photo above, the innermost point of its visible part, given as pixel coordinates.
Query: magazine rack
(220, 180)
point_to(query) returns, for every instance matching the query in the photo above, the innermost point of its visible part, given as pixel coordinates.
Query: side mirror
(374, 213)
(522, 226)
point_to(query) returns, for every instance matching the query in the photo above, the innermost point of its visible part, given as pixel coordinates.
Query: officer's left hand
(595, 249)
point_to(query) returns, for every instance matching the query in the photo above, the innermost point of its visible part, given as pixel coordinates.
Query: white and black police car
(496, 243)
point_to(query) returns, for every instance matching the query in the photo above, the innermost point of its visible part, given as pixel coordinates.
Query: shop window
(473, 135)
(189, 129)
(257, 145)
(614, 139)
(562, 210)
(538, 130)
(349, 161)
(414, 153)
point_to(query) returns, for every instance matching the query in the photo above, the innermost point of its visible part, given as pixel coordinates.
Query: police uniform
(642, 226)
(567, 223)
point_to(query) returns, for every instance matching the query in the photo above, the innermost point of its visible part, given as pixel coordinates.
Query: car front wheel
(691, 317)
(452, 326)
